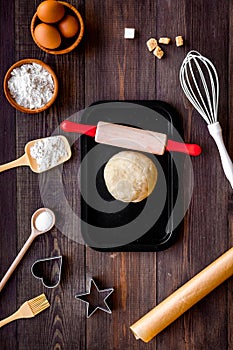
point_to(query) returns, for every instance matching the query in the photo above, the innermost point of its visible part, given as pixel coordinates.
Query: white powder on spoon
(43, 221)
(48, 152)
(31, 86)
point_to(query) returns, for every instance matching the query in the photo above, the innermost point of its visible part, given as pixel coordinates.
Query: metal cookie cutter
(48, 270)
(95, 298)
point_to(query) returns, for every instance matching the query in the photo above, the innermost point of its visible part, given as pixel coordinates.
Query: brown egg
(50, 11)
(47, 36)
(68, 26)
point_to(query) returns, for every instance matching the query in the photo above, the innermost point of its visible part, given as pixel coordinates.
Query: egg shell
(47, 36)
(68, 26)
(50, 11)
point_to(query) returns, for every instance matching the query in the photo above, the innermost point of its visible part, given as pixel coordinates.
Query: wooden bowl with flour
(30, 86)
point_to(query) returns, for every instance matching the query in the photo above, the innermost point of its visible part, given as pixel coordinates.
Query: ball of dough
(130, 176)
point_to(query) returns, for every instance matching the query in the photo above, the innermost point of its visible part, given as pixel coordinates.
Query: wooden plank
(130, 75)
(114, 68)
(63, 325)
(205, 226)
(230, 148)
(172, 264)
(210, 220)
(7, 179)
(190, 253)
(120, 69)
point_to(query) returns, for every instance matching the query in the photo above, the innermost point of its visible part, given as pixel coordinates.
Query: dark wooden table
(107, 67)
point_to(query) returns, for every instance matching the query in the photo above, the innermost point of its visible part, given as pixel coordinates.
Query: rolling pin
(184, 298)
(131, 138)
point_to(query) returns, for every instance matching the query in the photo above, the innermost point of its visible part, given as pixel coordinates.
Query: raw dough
(130, 176)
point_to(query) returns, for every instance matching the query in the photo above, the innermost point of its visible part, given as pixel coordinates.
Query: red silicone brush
(131, 138)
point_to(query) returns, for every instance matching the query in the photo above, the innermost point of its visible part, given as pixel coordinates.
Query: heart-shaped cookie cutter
(36, 271)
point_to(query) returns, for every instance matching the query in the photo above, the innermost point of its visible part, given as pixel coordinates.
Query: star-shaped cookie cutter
(95, 298)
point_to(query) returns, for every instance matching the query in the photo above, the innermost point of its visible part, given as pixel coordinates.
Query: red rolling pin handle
(191, 149)
(68, 126)
(172, 146)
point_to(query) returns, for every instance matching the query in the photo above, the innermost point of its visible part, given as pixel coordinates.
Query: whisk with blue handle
(199, 81)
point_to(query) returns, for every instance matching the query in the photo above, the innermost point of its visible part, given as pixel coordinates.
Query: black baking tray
(108, 224)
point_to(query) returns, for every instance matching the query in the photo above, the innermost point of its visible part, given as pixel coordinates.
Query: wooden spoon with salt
(48, 223)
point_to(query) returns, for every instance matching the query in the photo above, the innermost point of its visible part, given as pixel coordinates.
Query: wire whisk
(199, 81)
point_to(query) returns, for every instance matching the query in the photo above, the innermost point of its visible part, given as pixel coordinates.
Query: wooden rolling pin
(184, 298)
(131, 138)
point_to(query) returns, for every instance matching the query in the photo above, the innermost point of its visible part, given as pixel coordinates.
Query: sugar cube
(129, 33)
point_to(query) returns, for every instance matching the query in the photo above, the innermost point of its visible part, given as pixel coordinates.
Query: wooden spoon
(35, 232)
(27, 159)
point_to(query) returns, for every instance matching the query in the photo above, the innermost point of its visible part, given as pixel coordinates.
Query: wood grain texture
(209, 220)
(56, 322)
(105, 66)
(169, 275)
(8, 180)
(230, 147)
(202, 227)
(114, 66)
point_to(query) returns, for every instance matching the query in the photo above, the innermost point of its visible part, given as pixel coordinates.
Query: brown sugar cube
(158, 52)
(165, 41)
(179, 41)
(151, 44)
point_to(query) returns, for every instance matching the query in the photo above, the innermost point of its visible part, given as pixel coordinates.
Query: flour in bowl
(31, 86)
(49, 152)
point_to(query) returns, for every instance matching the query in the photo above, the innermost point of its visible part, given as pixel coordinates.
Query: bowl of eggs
(57, 27)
